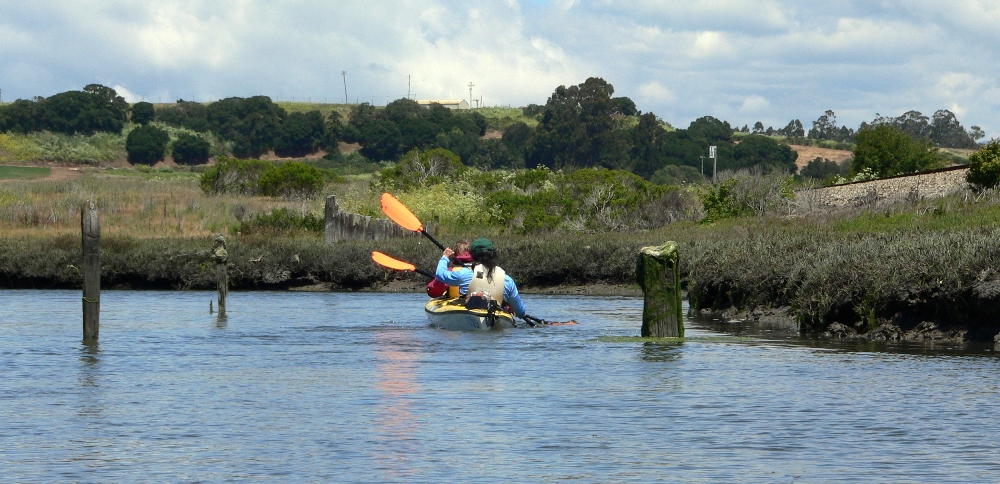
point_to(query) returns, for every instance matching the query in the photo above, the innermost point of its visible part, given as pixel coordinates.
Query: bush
(888, 151)
(984, 166)
(190, 149)
(747, 192)
(146, 145)
(419, 169)
(294, 179)
(143, 113)
(235, 176)
(283, 220)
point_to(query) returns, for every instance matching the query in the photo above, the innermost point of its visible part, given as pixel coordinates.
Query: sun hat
(481, 244)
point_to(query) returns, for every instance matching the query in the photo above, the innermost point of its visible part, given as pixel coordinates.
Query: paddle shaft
(429, 236)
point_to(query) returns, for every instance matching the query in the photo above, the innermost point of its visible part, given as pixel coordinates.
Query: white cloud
(654, 92)
(739, 60)
(128, 95)
(755, 104)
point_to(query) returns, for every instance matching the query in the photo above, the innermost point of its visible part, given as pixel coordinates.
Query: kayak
(452, 314)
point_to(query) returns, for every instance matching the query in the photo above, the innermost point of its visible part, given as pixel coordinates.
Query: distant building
(448, 103)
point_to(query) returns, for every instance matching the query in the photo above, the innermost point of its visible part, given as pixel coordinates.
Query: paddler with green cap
(484, 278)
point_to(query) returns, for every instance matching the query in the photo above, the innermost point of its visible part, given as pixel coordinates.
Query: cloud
(755, 104)
(656, 93)
(739, 60)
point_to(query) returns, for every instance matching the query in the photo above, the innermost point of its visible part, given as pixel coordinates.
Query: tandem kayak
(452, 314)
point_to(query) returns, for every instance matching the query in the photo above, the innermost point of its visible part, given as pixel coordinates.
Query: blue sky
(738, 60)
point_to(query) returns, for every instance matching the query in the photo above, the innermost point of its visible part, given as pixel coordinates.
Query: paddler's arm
(512, 298)
(451, 278)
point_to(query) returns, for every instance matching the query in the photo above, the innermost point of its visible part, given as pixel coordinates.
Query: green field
(24, 172)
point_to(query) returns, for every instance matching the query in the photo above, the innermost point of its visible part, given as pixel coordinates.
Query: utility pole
(344, 73)
(715, 163)
(470, 94)
(408, 86)
(702, 165)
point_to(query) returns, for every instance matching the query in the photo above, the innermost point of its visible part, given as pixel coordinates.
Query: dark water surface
(356, 387)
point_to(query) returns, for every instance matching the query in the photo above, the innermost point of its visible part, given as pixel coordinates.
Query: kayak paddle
(398, 212)
(396, 264)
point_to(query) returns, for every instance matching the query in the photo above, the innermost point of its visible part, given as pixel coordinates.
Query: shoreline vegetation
(569, 215)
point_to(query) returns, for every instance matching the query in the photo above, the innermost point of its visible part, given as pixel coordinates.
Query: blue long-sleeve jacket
(462, 277)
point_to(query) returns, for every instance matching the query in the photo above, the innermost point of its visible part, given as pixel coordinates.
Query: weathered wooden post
(657, 271)
(90, 225)
(221, 256)
(330, 234)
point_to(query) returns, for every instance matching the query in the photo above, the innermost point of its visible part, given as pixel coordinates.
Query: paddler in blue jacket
(484, 277)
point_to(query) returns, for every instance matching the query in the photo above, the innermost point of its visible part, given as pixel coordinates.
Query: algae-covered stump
(658, 273)
(90, 226)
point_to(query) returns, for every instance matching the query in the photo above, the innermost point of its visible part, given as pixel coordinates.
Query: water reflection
(661, 352)
(396, 427)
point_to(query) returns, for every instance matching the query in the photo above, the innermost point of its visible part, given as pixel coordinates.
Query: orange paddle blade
(391, 263)
(400, 214)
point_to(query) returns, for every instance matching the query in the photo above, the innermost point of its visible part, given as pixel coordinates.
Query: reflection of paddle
(398, 212)
(396, 264)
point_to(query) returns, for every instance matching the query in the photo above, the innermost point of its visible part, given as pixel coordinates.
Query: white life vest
(481, 285)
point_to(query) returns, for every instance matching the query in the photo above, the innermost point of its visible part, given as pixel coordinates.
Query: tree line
(579, 126)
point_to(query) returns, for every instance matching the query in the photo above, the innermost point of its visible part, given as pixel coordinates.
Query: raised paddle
(398, 212)
(396, 264)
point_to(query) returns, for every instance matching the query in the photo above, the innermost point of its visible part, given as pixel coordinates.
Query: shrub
(294, 179)
(143, 113)
(283, 220)
(984, 166)
(146, 145)
(419, 169)
(888, 151)
(190, 149)
(747, 192)
(235, 176)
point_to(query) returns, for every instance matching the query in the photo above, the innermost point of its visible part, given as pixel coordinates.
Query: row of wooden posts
(657, 273)
(90, 225)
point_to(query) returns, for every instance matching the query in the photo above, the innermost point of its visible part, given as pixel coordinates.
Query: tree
(758, 128)
(821, 169)
(143, 112)
(380, 139)
(886, 151)
(21, 116)
(185, 114)
(190, 149)
(146, 145)
(793, 129)
(299, 134)
(95, 108)
(646, 153)
(825, 127)
(984, 166)
(947, 132)
(574, 127)
(977, 133)
(624, 106)
(763, 152)
(251, 124)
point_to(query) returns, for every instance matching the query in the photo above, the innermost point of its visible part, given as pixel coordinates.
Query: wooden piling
(221, 257)
(658, 274)
(90, 225)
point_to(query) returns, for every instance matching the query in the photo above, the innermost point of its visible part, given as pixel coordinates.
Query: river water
(355, 387)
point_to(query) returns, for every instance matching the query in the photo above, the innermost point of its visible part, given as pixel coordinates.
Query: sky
(738, 60)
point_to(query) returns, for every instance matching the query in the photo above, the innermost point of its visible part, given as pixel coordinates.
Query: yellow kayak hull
(451, 314)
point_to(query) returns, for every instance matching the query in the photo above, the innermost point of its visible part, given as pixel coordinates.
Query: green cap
(481, 244)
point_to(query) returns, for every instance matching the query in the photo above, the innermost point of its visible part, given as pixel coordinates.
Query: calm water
(356, 387)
